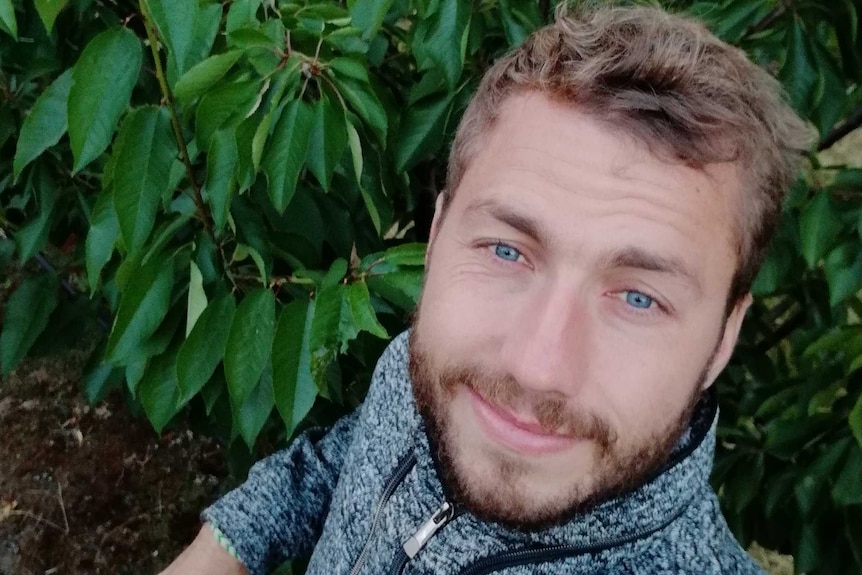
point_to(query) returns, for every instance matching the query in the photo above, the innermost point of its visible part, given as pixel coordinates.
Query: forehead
(585, 181)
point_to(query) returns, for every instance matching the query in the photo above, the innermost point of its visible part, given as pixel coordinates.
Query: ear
(728, 339)
(436, 222)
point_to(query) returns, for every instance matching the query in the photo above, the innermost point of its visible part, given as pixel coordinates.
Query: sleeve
(278, 513)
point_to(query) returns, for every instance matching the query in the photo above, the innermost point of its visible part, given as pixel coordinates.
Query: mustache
(553, 414)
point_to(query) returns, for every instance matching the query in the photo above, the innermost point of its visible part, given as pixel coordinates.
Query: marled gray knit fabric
(319, 497)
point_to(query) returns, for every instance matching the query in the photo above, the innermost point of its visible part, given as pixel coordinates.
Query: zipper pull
(428, 529)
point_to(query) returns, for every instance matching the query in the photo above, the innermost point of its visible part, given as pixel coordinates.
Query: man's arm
(277, 514)
(205, 556)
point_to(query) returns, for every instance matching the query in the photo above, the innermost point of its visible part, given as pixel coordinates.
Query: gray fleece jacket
(365, 499)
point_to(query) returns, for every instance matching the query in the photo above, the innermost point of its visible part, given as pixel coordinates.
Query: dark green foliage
(233, 185)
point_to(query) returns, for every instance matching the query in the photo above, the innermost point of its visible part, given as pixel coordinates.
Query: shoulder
(390, 391)
(698, 542)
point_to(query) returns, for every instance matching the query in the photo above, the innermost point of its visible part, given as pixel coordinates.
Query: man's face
(573, 312)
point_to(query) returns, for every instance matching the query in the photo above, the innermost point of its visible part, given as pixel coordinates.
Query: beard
(500, 487)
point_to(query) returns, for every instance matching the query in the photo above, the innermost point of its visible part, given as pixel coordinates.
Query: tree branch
(203, 213)
(853, 121)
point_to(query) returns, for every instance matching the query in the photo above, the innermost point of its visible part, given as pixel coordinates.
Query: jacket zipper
(417, 541)
(552, 553)
(404, 467)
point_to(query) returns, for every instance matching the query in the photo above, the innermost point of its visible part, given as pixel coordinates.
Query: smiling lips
(504, 427)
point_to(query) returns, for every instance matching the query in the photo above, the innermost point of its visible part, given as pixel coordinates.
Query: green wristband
(224, 542)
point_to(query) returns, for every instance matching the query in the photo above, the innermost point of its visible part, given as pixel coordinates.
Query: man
(612, 188)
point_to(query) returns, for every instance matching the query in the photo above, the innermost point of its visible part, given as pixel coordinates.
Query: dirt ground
(86, 490)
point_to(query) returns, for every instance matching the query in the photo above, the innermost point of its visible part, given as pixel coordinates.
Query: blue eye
(639, 300)
(507, 253)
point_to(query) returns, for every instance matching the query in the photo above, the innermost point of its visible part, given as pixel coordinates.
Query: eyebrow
(519, 222)
(636, 258)
(629, 257)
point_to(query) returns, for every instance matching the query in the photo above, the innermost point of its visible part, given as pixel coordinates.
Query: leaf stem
(203, 213)
(850, 123)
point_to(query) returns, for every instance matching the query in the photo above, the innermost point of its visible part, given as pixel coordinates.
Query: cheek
(464, 303)
(643, 388)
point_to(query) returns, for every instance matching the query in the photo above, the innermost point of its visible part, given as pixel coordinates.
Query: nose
(547, 348)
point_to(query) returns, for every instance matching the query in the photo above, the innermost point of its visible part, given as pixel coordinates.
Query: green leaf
(251, 37)
(848, 486)
(799, 74)
(855, 420)
(328, 141)
(773, 270)
(197, 297)
(831, 91)
(25, 316)
(842, 339)
(362, 312)
(843, 269)
(365, 103)
(252, 415)
(285, 153)
(516, 25)
(224, 107)
(293, 384)
(100, 379)
(143, 306)
(328, 333)
(335, 274)
(259, 141)
(8, 23)
(45, 124)
(164, 234)
(204, 347)
(158, 391)
(101, 237)
(349, 68)
(48, 10)
(355, 151)
(819, 225)
(441, 40)
(249, 343)
(406, 254)
(368, 15)
(188, 30)
(243, 251)
(241, 13)
(400, 287)
(146, 155)
(220, 185)
(422, 131)
(809, 550)
(737, 17)
(744, 483)
(33, 236)
(102, 83)
(812, 486)
(847, 180)
(205, 75)
(212, 391)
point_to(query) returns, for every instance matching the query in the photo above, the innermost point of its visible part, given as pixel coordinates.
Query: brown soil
(87, 490)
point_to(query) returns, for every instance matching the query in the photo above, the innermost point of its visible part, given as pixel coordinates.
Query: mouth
(507, 429)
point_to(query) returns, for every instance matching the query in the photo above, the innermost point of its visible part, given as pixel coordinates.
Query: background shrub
(229, 195)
